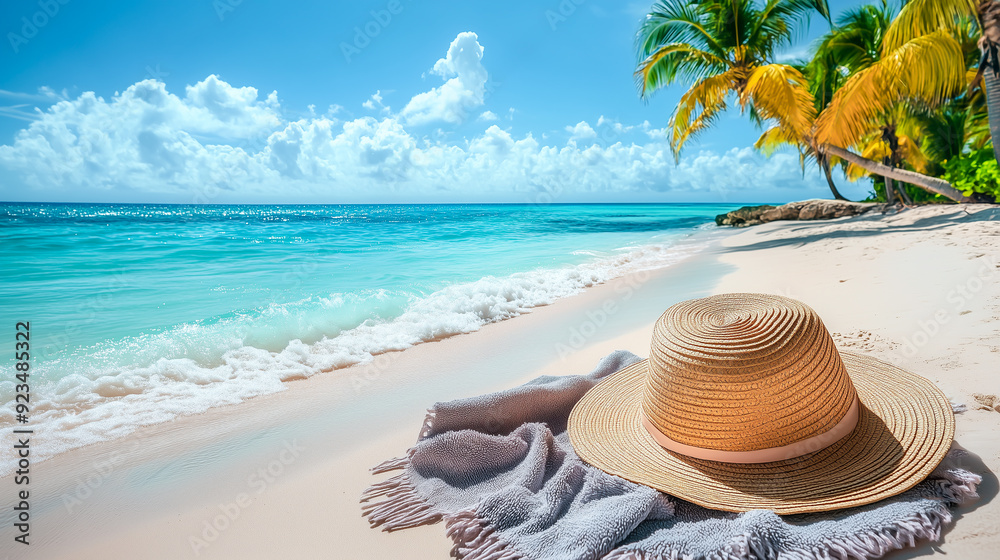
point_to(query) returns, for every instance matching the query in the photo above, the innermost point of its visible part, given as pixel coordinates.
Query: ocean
(140, 313)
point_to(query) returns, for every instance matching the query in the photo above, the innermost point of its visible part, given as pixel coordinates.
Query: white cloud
(659, 134)
(375, 102)
(581, 131)
(26, 111)
(45, 95)
(463, 91)
(215, 107)
(613, 126)
(608, 131)
(220, 143)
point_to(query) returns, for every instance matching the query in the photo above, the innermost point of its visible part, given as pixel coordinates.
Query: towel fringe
(956, 485)
(393, 464)
(427, 429)
(475, 540)
(401, 508)
(867, 545)
(863, 546)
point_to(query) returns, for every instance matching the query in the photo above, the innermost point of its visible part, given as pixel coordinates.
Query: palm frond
(675, 60)
(777, 18)
(922, 17)
(927, 69)
(779, 92)
(857, 40)
(912, 154)
(698, 108)
(675, 21)
(774, 138)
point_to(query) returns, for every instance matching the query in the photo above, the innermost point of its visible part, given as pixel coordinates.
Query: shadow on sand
(988, 490)
(927, 223)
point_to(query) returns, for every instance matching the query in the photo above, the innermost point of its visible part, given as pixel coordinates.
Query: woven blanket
(500, 471)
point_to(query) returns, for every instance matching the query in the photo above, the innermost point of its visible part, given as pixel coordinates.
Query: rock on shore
(804, 210)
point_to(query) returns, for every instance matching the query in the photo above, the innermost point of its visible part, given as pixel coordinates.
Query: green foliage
(975, 172)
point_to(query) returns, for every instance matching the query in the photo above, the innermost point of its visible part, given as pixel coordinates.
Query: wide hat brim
(904, 430)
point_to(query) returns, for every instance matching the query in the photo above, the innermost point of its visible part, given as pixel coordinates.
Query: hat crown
(744, 372)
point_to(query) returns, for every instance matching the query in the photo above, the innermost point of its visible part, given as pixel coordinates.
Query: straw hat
(745, 403)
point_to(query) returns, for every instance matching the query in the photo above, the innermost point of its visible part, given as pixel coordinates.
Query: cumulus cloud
(213, 106)
(581, 131)
(463, 91)
(654, 133)
(613, 126)
(222, 143)
(375, 102)
(144, 137)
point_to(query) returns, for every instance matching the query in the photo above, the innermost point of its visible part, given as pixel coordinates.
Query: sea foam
(120, 385)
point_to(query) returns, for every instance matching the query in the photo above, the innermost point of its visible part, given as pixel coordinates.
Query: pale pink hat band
(792, 450)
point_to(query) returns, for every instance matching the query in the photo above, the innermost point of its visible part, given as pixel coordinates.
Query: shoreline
(243, 373)
(201, 450)
(307, 449)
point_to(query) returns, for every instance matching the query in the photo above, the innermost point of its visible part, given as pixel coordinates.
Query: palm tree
(922, 17)
(887, 84)
(726, 48)
(958, 126)
(854, 45)
(897, 140)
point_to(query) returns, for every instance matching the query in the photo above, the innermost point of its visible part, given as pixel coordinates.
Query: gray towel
(500, 471)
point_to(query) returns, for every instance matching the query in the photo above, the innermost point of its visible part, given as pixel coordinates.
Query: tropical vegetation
(904, 93)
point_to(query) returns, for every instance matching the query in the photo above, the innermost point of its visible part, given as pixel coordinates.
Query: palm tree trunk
(989, 21)
(929, 184)
(905, 196)
(993, 109)
(890, 193)
(825, 164)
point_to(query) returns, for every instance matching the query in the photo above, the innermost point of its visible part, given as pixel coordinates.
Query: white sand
(892, 287)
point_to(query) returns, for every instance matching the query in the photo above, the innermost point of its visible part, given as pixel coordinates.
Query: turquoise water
(142, 312)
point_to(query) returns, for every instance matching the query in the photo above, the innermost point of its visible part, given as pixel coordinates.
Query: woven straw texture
(741, 372)
(746, 372)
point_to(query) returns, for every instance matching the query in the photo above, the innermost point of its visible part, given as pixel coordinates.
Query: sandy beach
(280, 475)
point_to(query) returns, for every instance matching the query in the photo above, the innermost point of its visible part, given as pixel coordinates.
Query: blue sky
(227, 101)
